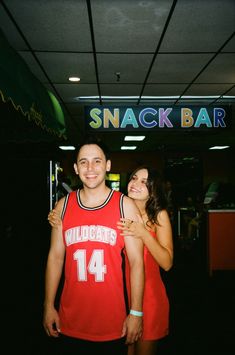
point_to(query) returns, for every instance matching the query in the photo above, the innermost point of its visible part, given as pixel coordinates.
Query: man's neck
(94, 197)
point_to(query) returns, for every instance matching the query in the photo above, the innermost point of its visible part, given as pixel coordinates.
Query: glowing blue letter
(142, 114)
(129, 118)
(219, 115)
(203, 118)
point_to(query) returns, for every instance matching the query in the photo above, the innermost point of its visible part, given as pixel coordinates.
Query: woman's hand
(54, 218)
(131, 228)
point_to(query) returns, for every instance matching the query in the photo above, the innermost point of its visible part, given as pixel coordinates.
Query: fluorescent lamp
(134, 138)
(128, 147)
(219, 147)
(108, 97)
(159, 97)
(200, 97)
(67, 147)
(117, 98)
(74, 78)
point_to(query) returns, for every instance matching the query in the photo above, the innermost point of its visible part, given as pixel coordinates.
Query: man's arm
(54, 268)
(134, 250)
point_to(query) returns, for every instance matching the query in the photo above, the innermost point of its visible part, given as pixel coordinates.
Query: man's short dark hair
(91, 139)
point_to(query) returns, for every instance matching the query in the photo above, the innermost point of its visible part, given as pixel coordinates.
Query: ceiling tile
(199, 26)
(53, 25)
(60, 66)
(71, 92)
(120, 90)
(164, 89)
(177, 68)
(34, 66)
(132, 67)
(207, 89)
(221, 70)
(128, 26)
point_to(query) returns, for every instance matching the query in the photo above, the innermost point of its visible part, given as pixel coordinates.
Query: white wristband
(136, 313)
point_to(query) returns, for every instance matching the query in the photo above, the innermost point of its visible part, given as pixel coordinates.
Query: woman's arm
(54, 216)
(161, 248)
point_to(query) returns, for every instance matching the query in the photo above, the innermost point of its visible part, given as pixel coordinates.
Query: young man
(92, 314)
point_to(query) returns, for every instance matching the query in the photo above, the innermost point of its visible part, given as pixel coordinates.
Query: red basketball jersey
(92, 305)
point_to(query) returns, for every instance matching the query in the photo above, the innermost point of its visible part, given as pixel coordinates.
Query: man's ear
(108, 165)
(75, 168)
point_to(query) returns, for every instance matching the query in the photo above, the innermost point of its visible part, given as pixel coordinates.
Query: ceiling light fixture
(116, 98)
(219, 147)
(74, 79)
(128, 147)
(67, 147)
(85, 98)
(134, 138)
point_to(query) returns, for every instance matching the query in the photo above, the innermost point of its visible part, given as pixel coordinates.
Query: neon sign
(156, 118)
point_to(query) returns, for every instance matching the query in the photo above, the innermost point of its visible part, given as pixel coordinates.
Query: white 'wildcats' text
(94, 233)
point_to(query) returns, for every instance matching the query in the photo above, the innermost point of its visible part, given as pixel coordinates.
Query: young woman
(154, 229)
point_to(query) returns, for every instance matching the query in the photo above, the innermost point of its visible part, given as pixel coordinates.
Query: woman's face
(136, 187)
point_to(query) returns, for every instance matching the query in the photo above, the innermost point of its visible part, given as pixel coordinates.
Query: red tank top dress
(155, 301)
(92, 304)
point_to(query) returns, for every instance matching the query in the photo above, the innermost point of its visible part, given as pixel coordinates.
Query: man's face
(91, 165)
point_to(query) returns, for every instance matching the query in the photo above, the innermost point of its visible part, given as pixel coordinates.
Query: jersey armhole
(65, 206)
(121, 206)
